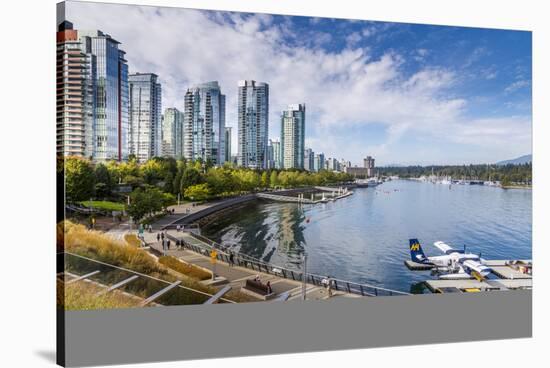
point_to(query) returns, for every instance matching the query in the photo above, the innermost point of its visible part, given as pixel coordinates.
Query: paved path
(180, 211)
(119, 231)
(237, 275)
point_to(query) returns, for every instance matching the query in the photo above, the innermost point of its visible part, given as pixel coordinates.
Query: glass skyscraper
(309, 160)
(172, 133)
(293, 121)
(227, 140)
(145, 116)
(204, 123)
(253, 122)
(110, 131)
(319, 162)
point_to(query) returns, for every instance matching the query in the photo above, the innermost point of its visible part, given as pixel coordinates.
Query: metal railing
(243, 260)
(143, 286)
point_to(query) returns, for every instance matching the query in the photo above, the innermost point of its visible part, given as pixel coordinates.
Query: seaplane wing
(476, 266)
(445, 248)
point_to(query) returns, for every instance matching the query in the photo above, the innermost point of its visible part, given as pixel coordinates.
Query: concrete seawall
(193, 217)
(224, 204)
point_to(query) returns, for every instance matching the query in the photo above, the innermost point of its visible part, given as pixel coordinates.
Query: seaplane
(453, 264)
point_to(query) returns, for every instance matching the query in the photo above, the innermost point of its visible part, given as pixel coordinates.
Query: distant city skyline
(398, 92)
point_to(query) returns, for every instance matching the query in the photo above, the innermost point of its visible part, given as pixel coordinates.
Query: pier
(508, 278)
(336, 193)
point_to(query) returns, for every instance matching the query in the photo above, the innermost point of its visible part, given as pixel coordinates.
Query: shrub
(132, 240)
(83, 296)
(185, 268)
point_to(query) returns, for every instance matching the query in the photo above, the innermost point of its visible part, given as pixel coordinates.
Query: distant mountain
(517, 161)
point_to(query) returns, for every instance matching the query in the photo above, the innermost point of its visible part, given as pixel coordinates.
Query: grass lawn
(104, 205)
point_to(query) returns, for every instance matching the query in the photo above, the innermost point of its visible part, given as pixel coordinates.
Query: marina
(363, 237)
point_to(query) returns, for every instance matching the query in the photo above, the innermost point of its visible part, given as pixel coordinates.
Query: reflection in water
(290, 236)
(263, 230)
(364, 237)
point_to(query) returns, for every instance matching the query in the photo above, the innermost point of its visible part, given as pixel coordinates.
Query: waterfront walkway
(180, 211)
(236, 276)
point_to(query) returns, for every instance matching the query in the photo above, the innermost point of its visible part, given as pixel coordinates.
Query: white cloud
(342, 91)
(517, 85)
(420, 54)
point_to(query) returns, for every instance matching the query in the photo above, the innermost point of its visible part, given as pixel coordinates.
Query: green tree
(199, 192)
(79, 179)
(274, 179)
(264, 182)
(103, 181)
(145, 201)
(169, 182)
(190, 176)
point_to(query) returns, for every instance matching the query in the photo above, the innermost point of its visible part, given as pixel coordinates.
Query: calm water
(364, 237)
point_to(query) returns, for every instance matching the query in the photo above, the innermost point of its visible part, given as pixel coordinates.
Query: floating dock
(472, 285)
(509, 278)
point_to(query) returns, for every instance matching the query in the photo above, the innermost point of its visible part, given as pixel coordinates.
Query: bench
(257, 289)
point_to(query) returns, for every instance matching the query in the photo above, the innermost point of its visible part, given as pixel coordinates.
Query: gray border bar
(228, 330)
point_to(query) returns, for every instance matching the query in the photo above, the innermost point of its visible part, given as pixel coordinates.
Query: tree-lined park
(159, 182)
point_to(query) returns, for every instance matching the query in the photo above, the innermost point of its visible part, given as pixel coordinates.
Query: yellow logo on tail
(415, 247)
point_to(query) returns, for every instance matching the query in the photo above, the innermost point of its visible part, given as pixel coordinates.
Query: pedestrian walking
(269, 290)
(231, 259)
(168, 244)
(158, 237)
(329, 286)
(162, 235)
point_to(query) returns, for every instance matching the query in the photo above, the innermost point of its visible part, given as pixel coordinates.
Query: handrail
(144, 275)
(223, 255)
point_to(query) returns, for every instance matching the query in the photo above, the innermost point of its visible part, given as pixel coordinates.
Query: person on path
(269, 289)
(231, 259)
(158, 237)
(162, 235)
(168, 244)
(329, 286)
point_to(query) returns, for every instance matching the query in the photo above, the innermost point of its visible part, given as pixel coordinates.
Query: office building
(172, 133)
(309, 160)
(368, 163)
(332, 164)
(319, 162)
(111, 106)
(204, 123)
(253, 124)
(145, 116)
(75, 105)
(293, 121)
(277, 154)
(227, 140)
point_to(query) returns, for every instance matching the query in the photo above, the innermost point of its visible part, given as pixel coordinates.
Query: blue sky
(404, 93)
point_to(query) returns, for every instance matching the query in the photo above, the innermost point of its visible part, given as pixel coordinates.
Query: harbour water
(364, 237)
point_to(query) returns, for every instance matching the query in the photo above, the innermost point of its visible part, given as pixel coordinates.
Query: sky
(403, 93)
